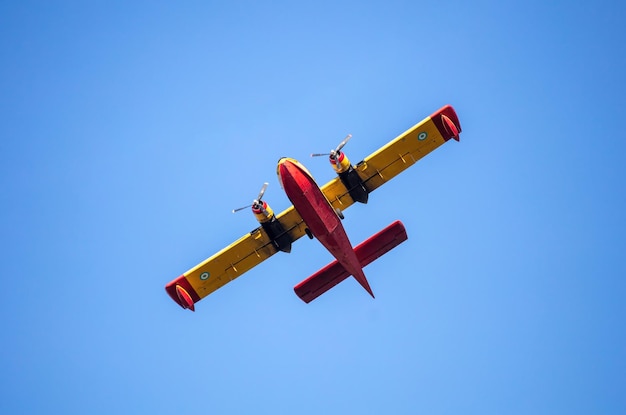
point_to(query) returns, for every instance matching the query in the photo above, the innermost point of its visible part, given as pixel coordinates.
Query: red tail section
(369, 250)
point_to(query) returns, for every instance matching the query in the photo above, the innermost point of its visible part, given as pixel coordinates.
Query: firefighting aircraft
(317, 213)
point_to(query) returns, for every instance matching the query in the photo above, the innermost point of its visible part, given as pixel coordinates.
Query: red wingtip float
(447, 122)
(317, 212)
(182, 292)
(185, 298)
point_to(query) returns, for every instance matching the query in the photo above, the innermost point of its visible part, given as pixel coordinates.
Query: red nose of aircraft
(284, 169)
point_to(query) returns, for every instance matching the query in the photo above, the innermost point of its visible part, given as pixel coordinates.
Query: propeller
(334, 154)
(256, 203)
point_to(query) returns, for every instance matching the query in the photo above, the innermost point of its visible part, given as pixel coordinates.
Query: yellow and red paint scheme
(372, 172)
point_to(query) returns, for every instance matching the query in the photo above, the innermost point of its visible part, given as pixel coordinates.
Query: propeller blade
(262, 192)
(335, 152)
(241, 208)
(255, 202)
(343, 143)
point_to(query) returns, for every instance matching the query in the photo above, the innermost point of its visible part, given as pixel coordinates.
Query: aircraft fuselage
(319, 216)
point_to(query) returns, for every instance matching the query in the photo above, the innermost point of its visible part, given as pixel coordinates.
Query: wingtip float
(182, 293)
(317, 212)
(447, 122)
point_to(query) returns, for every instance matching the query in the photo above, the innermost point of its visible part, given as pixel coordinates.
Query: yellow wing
(229, 263)
(240, 256)
(398, 155)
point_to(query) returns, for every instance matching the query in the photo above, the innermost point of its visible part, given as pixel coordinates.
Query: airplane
(317, 212)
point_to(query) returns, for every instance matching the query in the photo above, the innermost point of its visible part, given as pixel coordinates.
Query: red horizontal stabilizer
(367, 251)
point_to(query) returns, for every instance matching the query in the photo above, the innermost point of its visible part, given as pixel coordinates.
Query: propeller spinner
(260, 208)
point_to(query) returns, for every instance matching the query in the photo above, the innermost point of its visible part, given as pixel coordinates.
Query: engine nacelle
(340, 163)
(349, 177)
(262, 212)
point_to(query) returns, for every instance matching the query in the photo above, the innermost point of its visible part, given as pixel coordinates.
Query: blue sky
(129, 130)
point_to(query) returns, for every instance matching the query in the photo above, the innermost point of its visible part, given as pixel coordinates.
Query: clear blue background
(129, 130)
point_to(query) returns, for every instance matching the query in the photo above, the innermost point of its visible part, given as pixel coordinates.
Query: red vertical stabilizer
(366, 252)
